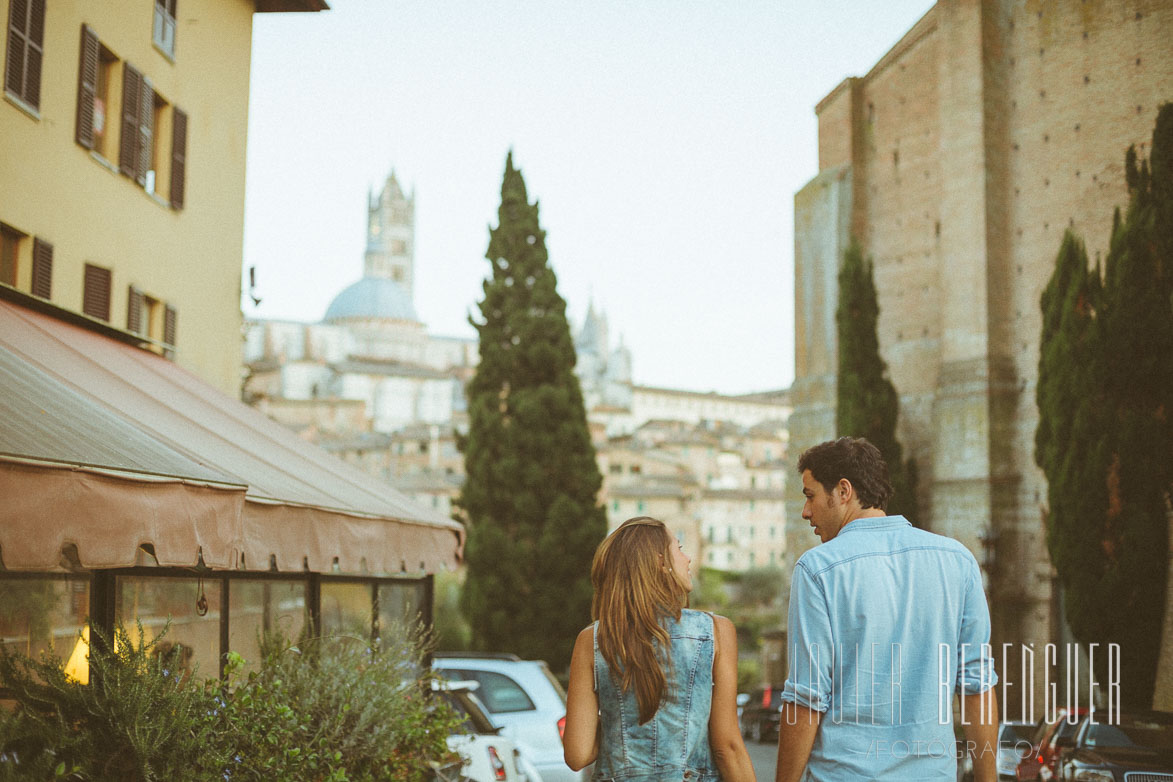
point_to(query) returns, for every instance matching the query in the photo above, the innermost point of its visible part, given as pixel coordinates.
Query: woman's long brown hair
(636, 588)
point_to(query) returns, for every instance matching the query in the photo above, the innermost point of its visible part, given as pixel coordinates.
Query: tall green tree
(866, 403)
(531, 494)
(1105, 433)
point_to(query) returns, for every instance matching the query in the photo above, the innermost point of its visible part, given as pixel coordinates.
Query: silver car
(524, 699)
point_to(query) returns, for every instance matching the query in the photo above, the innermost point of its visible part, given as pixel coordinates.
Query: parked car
(1134, 746)
(524, 699)
(488, 756)
(1049, 740)
(761, 714)
(1014, 745)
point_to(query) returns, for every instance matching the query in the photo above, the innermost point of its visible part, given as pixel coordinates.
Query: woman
(653, 685)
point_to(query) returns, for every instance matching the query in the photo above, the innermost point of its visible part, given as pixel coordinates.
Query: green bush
(137, 720)
(330, 709)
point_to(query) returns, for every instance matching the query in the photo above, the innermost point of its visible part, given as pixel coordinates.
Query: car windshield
(1015, 735)
(498, 692)
(1133, 731)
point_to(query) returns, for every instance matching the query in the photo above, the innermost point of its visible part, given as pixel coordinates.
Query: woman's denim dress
(674, 744)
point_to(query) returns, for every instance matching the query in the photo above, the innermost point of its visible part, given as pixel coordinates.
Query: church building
(370, 365)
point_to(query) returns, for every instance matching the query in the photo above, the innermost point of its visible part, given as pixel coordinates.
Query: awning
(107, 446)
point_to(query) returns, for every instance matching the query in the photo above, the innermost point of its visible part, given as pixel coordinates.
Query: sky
(663, 139)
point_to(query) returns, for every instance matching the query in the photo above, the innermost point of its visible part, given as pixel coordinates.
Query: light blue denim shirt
(887, 622)
(674, 744)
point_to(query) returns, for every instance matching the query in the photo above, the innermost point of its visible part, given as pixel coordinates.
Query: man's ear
(844, 491)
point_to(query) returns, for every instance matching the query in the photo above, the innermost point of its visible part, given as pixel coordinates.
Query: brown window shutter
(26, 39)
(34, 54)
(178, 157)
(170, 318)
(95, 300)
(146, 126)
(128, 139)
(87, 87)
(18, 20)
(134, 310)
(42, 268)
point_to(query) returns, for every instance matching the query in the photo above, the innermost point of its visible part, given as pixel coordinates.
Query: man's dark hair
(855, 459)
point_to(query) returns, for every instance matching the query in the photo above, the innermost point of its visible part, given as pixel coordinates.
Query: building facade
(122, 186)
(369, 383)
(370, 347)
(137, 489)
(719, 487)
(957, 162)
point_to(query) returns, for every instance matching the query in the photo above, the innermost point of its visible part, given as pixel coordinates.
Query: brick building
(957, 162)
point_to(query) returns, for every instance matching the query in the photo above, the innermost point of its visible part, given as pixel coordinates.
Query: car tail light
(766, 697)
(497, 764)
(562, 727)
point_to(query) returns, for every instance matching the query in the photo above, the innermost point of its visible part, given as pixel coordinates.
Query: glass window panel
(153, 601)
(257, 607)
(347, 609)
(400, 607)
(497, 691)
(44, 615)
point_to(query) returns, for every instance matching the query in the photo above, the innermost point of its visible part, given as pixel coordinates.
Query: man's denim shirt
(887, 623)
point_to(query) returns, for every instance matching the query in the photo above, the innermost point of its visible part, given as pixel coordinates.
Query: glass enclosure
(187, 608)
(264, 607)
(203, 617)
(44, 614)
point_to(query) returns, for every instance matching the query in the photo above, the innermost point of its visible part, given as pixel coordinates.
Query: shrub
(337, 708)
(331, 709)
(136, 720)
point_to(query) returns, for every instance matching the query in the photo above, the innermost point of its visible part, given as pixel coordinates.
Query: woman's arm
(724, 735)
(580, 743)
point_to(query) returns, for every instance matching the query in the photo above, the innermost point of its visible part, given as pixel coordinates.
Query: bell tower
(390, 250)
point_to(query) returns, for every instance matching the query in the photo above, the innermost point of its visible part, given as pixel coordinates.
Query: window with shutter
(158, 173)
(42, 282)
(163, 32)
(26, 39)
(107, 63)
(9, 254)
(87, 87)
(178, 157)
(128, 137)
(134, 310)
(96, 292)
(170, 324)
(146, 133)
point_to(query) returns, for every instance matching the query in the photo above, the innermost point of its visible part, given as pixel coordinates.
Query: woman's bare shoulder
(721, 623)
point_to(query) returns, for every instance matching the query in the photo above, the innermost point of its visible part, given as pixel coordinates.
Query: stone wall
(991, 127)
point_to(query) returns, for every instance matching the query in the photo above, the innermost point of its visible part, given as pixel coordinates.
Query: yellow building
(134, 493)
(123, 168)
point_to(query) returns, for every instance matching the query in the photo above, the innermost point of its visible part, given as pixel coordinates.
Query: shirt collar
(875, 523)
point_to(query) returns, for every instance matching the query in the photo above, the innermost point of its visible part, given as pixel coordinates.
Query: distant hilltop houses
(371, 385)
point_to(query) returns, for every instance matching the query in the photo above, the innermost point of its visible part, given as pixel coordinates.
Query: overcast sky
(664, 139)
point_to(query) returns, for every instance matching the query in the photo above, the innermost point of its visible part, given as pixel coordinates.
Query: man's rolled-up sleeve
(975, 663)
(810, 644)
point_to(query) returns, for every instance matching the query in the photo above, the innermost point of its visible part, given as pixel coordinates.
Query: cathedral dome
(372, 297)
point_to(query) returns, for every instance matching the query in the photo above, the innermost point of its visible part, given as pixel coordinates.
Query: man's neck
(865, 513)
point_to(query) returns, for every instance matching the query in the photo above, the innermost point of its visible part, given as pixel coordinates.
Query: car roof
(532, 675)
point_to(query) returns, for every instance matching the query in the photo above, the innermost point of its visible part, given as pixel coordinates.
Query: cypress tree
(531, 492)
(1105, 431)
(867, 404)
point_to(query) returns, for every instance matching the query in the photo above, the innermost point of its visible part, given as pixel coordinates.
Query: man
(886, 622)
